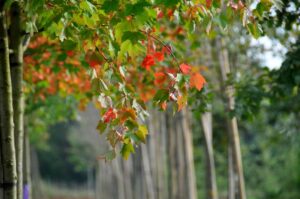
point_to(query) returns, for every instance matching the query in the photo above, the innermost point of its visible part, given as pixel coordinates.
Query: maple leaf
(159, 15)
(208, 3)
(185, 69)
(159, 56)
(109, 115)
(181, 101)
(93, 63)
(148, 62)
(70, 53)
(164, 105)
(160, 77)
(197, 81)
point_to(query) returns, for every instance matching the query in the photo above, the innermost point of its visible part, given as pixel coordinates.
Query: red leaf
(185, 69)
(148, 62)
(197, 81)
(70, 53)
(93, 63)
(208, 3)
(170, 12)
(159, 15)
(159, 56)
(109, 115)
(160, 77)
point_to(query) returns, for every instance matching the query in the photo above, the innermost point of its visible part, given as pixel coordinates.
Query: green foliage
(114, 36)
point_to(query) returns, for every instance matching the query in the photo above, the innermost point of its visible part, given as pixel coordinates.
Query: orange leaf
(160, 77)
(185, 69)
(163, 105)
(181, 101)
(197, 81)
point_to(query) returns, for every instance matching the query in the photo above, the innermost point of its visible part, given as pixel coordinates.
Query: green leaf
(167, 3)
(161, 95)
(134, 9)
(69, 45)
(87, 6)
(142, 132)
(113, 138)
(110, 155)
(110, 5)
(254, 29)
(126, 150)
(134, 37)
(101, 127)
(96, 88)
(131, 124)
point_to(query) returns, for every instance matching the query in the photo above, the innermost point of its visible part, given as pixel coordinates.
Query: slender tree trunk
(38, 191)
(233, 127)
(7, 138)
(172, 156)
(1, 152)
(26, 172)
(147, 172)
(211, 183)
(16, 62)
(162, 164)
(120, 178)
(231, 173)
(181, 163)
(188, 145)
(127, 167)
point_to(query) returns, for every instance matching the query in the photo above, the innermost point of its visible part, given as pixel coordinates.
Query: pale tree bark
(127, 172)
(162, 164)
(211, 183)
(231, 172)
(16, 63)
(1, 152)
(181, 162)
(7, 138)
(189, 155)
(147, 172)
(172, 160)
(26, 169)
(120, 179)
(233, 126)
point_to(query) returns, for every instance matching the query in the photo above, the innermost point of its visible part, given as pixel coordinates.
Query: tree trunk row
(11, 102)
(161, 169)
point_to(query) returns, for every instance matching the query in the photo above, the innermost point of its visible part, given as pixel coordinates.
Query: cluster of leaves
(120, 43)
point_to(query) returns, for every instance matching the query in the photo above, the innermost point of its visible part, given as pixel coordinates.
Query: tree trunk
(16, 62)
(233, 127)
(7, 138)
(188, 145)
(211, 183)
(147, 172)
(231, 173)
(1, 153)
(181, 162)
(26, 172)
(172, 156)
